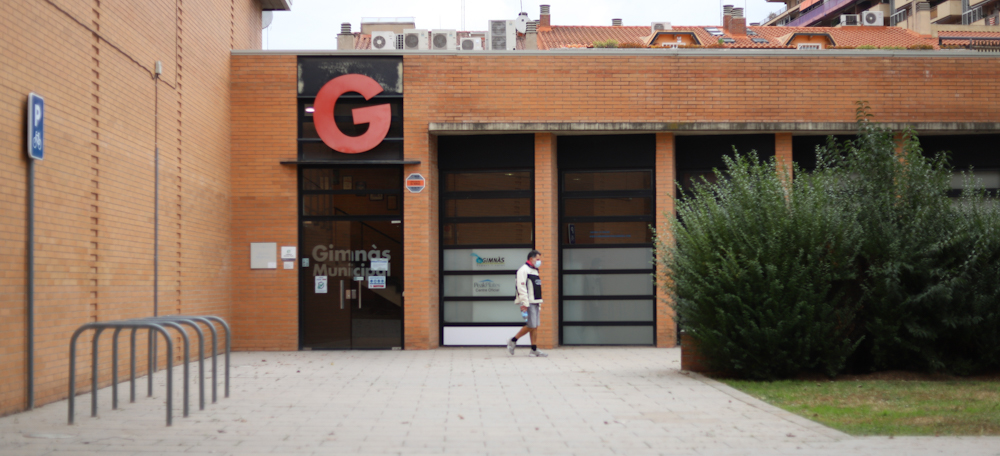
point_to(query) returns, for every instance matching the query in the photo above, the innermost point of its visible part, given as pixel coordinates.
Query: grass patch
(881, 407)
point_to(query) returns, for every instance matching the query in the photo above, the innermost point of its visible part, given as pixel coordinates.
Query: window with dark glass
(486, 231)
(350, 192)
(607, 287)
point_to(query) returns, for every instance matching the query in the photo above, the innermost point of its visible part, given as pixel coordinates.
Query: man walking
(528, 296)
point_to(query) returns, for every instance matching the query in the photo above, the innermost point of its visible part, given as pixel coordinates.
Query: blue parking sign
(36, 126)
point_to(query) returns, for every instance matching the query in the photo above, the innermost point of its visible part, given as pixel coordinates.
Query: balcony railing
(972, 16)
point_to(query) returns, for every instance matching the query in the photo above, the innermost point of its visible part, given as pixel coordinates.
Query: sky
(314, 24)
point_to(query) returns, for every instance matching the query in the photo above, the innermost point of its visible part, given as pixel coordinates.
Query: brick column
(547, 234)
(783, 154)
(666, 178)
(420, 247)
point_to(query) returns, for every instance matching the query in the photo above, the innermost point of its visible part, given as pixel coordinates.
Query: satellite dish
(521, 23)
(265, 19)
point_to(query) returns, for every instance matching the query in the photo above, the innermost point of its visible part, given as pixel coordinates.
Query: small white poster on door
(321, 284)
(376, 282)
(380, 264)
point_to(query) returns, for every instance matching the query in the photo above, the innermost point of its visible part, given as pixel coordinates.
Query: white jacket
(528, 288)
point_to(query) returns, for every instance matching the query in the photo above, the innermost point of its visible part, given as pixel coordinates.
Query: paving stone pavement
(579, 401)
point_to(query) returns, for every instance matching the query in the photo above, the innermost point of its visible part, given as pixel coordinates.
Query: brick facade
(105, 117)
(264, 200)
(514, 88)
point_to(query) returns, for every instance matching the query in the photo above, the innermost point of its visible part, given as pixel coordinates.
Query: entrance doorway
(351, 274)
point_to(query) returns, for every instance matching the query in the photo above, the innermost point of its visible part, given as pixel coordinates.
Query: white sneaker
(510, 346)
(537, 353)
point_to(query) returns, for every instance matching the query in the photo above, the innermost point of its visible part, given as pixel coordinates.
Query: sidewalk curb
(773, 410)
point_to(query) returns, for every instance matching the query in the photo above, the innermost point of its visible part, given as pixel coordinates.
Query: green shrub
(758, 274)
(606, 44)
(864, 264)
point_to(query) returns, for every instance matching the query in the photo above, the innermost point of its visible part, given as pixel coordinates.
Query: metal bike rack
(153, 325)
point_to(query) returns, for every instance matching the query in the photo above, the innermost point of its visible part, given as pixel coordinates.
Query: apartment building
(924, 17)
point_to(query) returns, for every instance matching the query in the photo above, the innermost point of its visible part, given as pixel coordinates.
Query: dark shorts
(532, 320)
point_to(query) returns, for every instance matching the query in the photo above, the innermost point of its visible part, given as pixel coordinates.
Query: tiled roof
(574, 36)
(559, 37)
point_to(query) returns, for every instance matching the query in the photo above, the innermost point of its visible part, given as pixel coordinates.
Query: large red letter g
(378, 117)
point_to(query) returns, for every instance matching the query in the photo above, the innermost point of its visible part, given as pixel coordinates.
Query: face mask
(538, 263)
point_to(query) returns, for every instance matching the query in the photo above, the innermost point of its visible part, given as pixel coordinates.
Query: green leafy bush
(864, 264)
(606, 44)
(760, 269)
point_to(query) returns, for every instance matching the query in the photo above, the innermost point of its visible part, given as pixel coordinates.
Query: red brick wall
(265, 199)
(94, 191)
(660, 88)
(783, 153)
(547, 235)
(666, 190)
(420, 242)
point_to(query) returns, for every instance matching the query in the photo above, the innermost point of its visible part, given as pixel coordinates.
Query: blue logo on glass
(495, 261)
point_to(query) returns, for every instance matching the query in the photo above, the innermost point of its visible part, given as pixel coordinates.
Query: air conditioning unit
(872, 18)
(443, 40)
(660, 27)
(810, 47)
(383, 41)
(850, 19)
(415, 40)
(471, 44)
(501, 36)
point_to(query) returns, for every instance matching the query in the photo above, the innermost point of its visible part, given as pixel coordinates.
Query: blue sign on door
(36, 126)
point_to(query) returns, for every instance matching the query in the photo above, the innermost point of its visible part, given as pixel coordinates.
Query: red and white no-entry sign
(415, 183)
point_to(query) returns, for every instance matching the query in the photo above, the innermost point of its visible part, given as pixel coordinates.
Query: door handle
(359, 295)
(341, 295)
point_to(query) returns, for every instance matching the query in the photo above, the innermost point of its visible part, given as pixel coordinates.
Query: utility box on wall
(264, 255)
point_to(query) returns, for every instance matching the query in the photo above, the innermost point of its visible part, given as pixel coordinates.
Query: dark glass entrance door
(351, 272)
